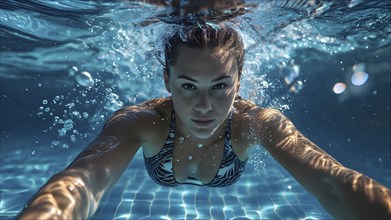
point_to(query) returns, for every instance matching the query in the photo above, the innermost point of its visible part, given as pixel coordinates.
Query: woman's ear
(166, 80)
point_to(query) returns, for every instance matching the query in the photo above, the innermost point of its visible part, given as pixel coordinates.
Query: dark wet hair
(223, 40)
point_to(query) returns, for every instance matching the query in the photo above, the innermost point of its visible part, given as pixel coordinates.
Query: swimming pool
(67, 65)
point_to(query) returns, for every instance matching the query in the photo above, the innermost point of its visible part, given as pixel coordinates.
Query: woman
(202, 135)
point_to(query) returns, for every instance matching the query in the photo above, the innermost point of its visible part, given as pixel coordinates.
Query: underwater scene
(67, 66)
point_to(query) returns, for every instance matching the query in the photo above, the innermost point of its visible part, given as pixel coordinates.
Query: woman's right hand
(75, 193)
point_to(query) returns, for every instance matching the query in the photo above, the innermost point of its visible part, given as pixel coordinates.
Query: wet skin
(203, 93)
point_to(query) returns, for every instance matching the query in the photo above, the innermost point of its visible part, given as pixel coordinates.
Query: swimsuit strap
(227, 135)
(231, 168)
(159, 167)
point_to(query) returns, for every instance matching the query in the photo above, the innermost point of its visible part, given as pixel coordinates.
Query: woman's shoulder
(253, 119)
(146, 115)
(161, 106)
(248, 109)
(148, 119)
(153, 108)
(249, 116)
(244, 105)
(241, 125)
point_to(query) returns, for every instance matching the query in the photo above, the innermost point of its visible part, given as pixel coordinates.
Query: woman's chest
(197, 161)
(204, 162)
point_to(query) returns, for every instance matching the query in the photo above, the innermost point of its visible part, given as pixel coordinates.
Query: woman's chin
(203, 133)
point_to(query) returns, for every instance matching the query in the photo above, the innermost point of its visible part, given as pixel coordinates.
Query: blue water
(67, 65)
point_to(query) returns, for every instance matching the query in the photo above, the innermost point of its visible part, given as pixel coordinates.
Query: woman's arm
(75, 193)
(343, 192)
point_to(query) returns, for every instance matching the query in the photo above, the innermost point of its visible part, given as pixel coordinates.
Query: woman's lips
(203, 122)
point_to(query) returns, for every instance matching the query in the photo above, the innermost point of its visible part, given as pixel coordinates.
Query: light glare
(339, 88)
(359, 78)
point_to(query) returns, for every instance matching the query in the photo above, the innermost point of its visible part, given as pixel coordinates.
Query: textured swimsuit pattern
(160, 167)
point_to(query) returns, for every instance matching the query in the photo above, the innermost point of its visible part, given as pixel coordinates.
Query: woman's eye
(188, 86)
(220, 86)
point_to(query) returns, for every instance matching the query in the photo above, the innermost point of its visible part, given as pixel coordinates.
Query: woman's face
(203, 90)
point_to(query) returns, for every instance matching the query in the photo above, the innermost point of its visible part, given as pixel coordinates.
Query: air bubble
(70, 105)
(113, 103)
(265, 84)
(76, 114)
(73, 71)
(293, 73)
(55, 143)
(68, 125)
(62, 131)
(297, 86)
(84, 79)
(85, 114)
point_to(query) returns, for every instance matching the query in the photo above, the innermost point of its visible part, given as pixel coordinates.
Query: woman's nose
(203, 103)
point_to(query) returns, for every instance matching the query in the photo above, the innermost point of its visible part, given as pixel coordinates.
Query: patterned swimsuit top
(160, 167)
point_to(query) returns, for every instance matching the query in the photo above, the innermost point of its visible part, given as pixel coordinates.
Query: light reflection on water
(260, 194)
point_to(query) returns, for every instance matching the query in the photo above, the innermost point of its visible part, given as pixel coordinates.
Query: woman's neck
(184, 134)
